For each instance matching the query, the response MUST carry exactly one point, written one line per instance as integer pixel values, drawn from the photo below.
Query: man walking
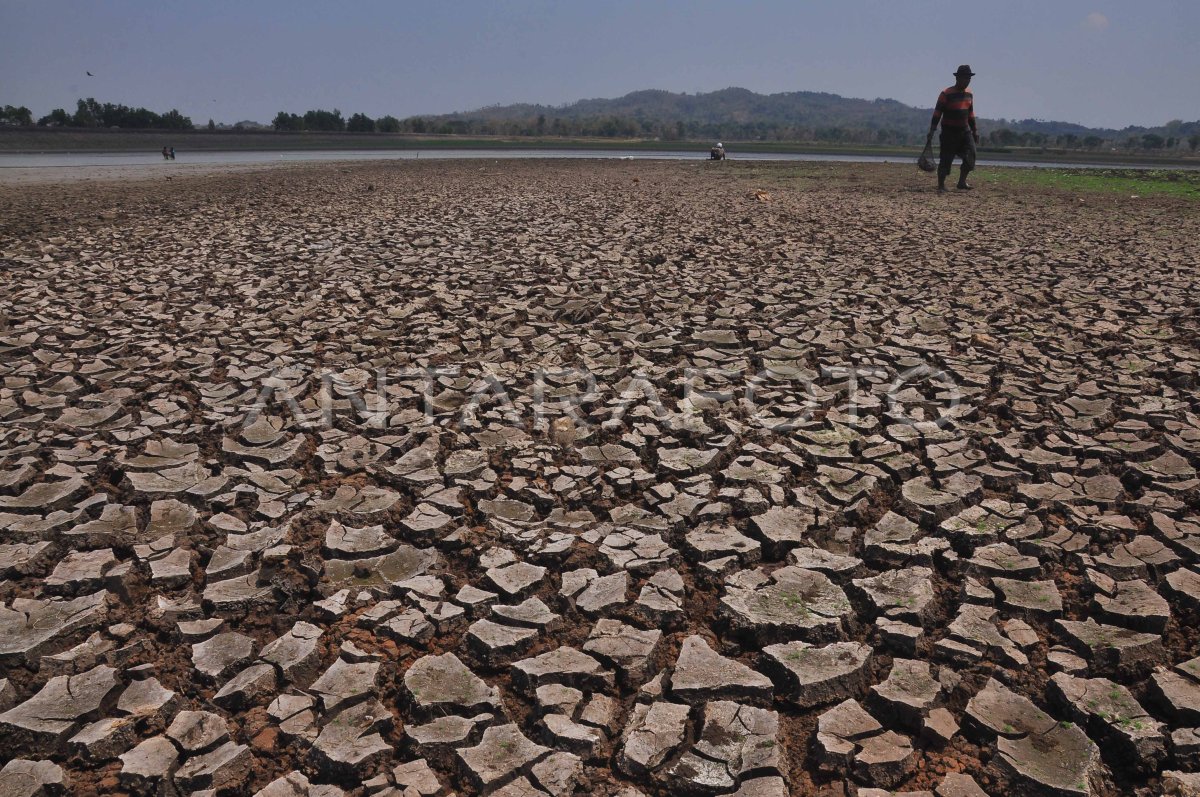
(955, 109)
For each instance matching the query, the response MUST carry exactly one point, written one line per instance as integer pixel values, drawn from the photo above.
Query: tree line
(332, 122)
(89, 113)
(1148, 141)
(16, 116)
(642, 127)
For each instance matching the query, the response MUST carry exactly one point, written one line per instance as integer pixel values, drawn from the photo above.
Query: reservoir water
(68, 160)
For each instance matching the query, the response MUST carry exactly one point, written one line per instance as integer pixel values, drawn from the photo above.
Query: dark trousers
(956, 144)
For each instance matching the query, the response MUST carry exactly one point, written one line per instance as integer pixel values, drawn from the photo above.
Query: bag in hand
(925, 162)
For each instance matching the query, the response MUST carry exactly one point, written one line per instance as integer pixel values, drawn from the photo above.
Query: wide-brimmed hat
(964, 69)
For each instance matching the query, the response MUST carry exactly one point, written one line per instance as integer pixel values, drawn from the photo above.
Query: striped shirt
(955, 109)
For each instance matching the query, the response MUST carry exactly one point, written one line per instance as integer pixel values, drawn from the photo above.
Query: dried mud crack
(565, 478)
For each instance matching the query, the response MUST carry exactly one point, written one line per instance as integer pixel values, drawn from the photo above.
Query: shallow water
(68, 160)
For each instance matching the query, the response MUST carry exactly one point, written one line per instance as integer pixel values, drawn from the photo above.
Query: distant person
(955, 109)
(717, 153)
(166, 154)
(172, 153)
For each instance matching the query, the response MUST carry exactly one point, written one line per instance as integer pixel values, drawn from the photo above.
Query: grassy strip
(1129, 182)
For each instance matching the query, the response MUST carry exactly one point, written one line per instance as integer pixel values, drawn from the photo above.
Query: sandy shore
(542, 476)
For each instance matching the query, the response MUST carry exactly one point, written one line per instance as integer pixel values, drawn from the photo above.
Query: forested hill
(734, 106)
(738, 113)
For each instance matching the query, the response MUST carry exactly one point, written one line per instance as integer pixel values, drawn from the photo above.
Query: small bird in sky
(89, 74)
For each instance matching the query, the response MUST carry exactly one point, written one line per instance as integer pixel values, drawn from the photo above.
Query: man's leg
(968, 161)
(945, 159)
(963, 171)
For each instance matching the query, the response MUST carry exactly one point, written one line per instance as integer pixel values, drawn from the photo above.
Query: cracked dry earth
(630, 536)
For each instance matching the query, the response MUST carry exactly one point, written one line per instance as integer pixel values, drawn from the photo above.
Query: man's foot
(941, 189)
(963, 186)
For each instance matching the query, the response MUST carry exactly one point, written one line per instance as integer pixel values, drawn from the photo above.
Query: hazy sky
(1097, 62)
